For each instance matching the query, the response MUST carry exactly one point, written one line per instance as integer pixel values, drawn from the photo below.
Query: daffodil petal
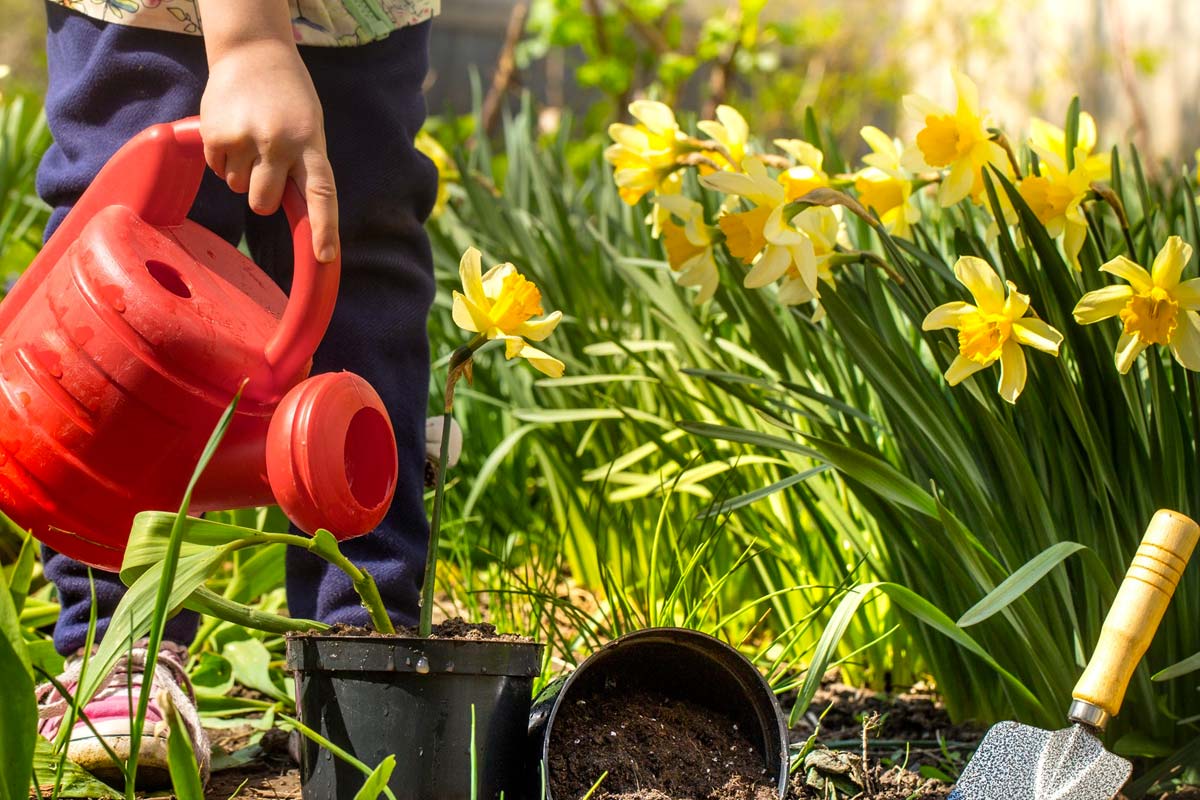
(1129, 347)
(1102, 303)
(1185, 344)
(982, 282)
(769, 268)
(468, 316)
(1170, 261)
(1013, 372)
(957, 184)
(1016, 304)
(537, 330)
(542, 362)
(947, 315)
(1137, 277)
(658, 117)
(734, 122)
(733, 183)
(1037, 334)
(1187, 294)
(470, 274)
(961, 369)
(1073, 239)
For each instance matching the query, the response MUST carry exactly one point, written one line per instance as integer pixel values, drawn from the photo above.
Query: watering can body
(126, 339)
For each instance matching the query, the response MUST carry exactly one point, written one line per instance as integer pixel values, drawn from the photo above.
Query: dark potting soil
(653, 747)
(457, 628)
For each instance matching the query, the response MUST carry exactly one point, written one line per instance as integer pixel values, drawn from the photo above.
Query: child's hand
(260, 117)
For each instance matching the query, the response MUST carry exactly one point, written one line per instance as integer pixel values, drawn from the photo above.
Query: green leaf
(745, 436)
(22, 573)
(1015, 585)
(252, 667)
(212, 676)
(18, 710)
(877, 475)
(377, 780)
(1178, 669)
(181, 761)
(746, 499)
(309, 733)
(75, 782)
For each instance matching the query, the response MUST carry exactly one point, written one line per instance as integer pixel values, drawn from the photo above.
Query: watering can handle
(314, 284)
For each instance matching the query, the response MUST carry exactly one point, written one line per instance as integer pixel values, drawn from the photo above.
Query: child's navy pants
(107, 83)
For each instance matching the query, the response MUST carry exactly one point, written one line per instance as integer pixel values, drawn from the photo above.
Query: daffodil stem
(1002, 140)
(460, 365)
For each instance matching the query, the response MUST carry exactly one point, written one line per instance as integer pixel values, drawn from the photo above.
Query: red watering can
(126, 339)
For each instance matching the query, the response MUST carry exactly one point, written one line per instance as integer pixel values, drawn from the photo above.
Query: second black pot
(683, 664)
(377, 696)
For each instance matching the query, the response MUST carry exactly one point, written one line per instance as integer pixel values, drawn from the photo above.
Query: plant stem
(460, 364)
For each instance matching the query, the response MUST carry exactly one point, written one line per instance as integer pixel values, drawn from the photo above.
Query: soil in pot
(653, 747)
(457, 628)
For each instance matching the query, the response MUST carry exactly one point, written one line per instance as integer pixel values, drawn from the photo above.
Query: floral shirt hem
(320, 23)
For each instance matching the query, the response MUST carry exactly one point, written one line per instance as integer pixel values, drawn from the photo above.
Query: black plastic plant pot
(681, 664)
(375, 696)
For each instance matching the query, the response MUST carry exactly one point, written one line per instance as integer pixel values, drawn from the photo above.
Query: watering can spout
(126, 338)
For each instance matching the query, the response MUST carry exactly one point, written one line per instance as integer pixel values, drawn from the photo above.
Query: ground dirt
(914, 717)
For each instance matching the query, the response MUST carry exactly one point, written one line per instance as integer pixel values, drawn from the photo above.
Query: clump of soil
(653, 747)
(457, 628)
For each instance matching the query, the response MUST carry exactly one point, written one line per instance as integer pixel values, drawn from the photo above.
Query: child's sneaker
(111, 710)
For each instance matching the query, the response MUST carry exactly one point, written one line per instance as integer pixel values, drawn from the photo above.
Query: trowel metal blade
(1017, 762)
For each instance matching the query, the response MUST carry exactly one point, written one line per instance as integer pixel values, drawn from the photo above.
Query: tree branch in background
(658, 43)
(722, 72)
(506, 68)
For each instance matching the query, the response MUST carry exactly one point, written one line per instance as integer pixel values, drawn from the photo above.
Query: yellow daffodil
(731, 132)
(1045, 137)
(1056, 197)
(689, 245)
(826, 232)
(447, 171)
(502, 305)
(646, 155)
(993, 329)
(957, 140)
(1155, 308)
(884, 185)
(761, 236)
(808, 172)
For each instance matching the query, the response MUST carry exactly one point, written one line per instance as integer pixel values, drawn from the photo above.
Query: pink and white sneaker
(111, 711)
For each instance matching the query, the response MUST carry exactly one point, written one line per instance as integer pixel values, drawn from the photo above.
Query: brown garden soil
(456, 628)
(652, 747)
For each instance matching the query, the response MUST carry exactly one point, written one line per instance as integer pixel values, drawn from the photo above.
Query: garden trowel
(1018, 762)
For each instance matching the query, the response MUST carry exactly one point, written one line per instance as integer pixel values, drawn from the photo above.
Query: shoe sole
(89, 752)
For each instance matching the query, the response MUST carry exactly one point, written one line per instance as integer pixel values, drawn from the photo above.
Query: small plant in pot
(451, 702)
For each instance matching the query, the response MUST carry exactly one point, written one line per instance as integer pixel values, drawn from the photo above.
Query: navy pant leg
(374, 108)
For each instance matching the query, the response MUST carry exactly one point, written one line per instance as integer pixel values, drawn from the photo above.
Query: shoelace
(169, 674)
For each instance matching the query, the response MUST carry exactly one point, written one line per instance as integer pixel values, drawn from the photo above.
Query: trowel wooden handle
(1137, 610)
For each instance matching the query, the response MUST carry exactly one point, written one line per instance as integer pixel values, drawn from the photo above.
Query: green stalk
(460, 364)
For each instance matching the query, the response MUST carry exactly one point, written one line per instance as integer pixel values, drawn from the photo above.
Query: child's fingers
(315, 179)
(267, 179)
(238, 166)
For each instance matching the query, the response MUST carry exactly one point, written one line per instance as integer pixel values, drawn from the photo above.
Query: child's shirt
(325, 23)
